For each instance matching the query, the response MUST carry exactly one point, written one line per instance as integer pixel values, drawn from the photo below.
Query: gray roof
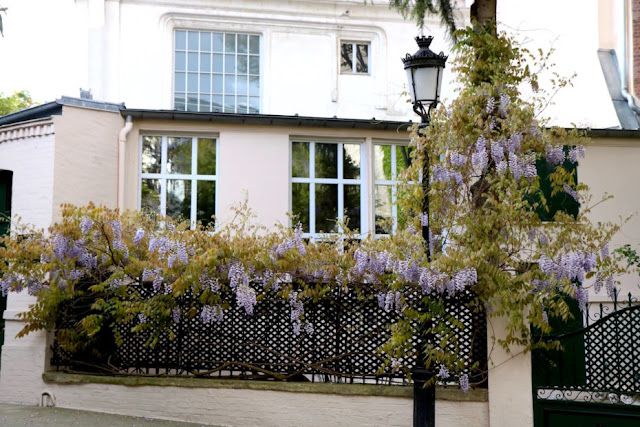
(609, 63)
(266, 119)
(54, 108)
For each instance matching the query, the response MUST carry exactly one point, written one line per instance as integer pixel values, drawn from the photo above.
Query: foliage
(485, 204)
(485, 197)
(16, 102)
(416, 10)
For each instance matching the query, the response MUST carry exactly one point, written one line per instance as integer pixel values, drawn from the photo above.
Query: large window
(326, 185)
(217, 72)
(178, 177)
(388, 163)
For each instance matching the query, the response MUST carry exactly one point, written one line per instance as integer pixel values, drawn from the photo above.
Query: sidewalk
(18, 415)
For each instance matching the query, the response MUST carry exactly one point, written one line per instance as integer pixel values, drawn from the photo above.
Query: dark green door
(6, 179)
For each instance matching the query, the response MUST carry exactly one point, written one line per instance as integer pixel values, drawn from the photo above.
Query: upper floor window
(388, 163)
(217, 72)
(354, 57)
(178, 177)
(326, 185)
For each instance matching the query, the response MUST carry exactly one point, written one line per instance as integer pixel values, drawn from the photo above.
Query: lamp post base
(424, 398)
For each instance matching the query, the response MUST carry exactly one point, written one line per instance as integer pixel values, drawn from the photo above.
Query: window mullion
(340, 184)
(312, 188)
(163, 174)
(194, 181)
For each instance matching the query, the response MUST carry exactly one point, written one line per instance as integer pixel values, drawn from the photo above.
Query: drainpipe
(122, 139)
(623, 68)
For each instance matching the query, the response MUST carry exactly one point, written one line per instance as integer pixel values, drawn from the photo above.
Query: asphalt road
(18, 415)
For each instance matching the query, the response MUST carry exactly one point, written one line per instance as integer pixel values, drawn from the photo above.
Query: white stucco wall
(242, 407)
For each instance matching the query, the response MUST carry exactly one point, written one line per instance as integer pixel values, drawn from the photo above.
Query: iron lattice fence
(349, 328)
(601, 361)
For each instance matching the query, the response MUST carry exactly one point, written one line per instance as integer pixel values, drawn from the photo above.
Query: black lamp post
(424, 72)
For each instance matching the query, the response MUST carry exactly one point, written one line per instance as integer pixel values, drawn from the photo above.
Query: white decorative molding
(29, 129)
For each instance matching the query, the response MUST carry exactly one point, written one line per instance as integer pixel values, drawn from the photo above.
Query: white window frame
(340, 181)
(260, 56)
(354, 44)
(393, 183)
(163, 176)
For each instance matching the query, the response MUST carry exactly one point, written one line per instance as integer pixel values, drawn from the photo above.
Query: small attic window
(354, 58)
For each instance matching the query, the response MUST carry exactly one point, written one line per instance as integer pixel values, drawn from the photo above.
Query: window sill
(442, 393)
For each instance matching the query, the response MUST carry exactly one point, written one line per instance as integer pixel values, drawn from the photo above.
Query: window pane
(326, 207)
(217, 103)
(217, 62)
(351, 161)
(192, 59)
(352, 206)
(254, 44)
(181, 40)
(326, 161)
(241, 84)
(229, 63)
(362, 58)
(205, 41)
(254, 65)
(229, 42)
(192, 82)
(192, 37)
(151, 154)
(180, 82)
(217, 42)
(346, 58)
(205, 103)
(179, 101)
(243, 104)
(254, 104)
(300, 204)
(300, 159)
(229, 104)
(205, 83)
(192, 102)
(229, 84)
(403, 158)
(181, 61)
(206, 156)
(242, 43)
(179, 198)
(382, 161)
(205, 62)
(254, 85)
(206, 201)
(217, 83)
(179, 155)
(150, 195)
(242, 64)
(384, 217)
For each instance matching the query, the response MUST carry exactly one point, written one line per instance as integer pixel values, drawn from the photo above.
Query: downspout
(122, 139)
(623, 68)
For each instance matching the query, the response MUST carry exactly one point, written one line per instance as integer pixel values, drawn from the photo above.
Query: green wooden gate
(595, 381)
(6, 179)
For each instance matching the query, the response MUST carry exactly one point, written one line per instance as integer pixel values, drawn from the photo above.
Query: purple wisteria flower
(505, 100)
(570, 191)
(597, 285)
(138, 237)
(545, 317)
(576, 152)
(609, 286)
(424, 219)
(116, 283)
(443, 372)
(142, 318)
(297, 311)
(458, 160)
(491, 105)
(6, 283)
(246, 298)
(464, 383)
(480, 159)
(175, 314)
(237, 275)
(604, 251)
(514, 142)
(497, 151)
(85, 225)
(554, 154)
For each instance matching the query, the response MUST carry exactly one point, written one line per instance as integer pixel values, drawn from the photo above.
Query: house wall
(252, 161)
(27, 149)
(86, 162)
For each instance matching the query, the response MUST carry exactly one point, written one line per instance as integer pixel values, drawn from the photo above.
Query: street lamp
(424, 72)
